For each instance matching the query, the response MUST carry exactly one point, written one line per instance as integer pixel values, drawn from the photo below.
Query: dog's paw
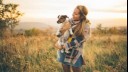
(58, 35)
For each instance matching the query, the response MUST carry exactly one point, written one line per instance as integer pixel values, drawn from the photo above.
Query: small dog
(64, 32)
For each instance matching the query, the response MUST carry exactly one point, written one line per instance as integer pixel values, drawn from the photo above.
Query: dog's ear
(66, 16)
(58, 16)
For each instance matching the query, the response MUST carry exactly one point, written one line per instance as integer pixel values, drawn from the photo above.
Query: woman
(81, 32)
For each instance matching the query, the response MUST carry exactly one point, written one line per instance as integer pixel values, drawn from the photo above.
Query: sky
(98, 9)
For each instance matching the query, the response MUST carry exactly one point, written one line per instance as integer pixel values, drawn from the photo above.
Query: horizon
(43, 25)
(114, 22)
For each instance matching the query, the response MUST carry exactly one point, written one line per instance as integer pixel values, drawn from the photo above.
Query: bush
(33, 32)
(99, 30)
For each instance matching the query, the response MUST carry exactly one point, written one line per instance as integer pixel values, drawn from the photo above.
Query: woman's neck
(75, 21)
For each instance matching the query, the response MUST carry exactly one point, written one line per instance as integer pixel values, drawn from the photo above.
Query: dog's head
(61, 18)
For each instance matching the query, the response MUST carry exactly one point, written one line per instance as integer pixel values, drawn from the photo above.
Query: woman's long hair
(79, 29)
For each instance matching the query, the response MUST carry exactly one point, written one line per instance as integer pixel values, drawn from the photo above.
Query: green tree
(9, 16)
(1, 1)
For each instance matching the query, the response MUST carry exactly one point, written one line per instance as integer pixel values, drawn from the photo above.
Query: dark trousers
(67, 68)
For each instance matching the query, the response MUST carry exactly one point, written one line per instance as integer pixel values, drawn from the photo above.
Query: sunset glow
(98, 9)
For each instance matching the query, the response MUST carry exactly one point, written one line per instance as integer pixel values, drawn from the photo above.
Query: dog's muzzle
(58, 22)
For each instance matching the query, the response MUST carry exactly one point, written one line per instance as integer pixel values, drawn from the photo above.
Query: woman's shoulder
(87, 26)
(88, 22)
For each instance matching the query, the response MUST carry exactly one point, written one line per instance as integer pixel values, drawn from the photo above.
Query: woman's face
(76, 15)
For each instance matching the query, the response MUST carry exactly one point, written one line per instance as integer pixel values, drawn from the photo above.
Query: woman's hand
(59, 46)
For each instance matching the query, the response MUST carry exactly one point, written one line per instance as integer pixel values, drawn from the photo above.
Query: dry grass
(37, 54)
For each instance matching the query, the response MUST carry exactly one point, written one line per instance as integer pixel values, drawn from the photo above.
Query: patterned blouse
(76, 44)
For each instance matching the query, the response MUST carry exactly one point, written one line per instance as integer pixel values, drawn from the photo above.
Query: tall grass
(106, 53)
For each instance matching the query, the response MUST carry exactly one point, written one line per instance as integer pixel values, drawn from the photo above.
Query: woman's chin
(75, 19)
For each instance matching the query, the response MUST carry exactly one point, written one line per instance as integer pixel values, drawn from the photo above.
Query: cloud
(119, 6)
(111, 10)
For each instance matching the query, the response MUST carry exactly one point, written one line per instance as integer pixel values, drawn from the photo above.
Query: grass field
(102, 53)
